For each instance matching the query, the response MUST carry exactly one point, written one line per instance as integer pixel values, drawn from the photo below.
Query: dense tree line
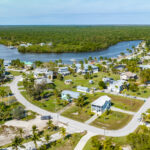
(70, 38)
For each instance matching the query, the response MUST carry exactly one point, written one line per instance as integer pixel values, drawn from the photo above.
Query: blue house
(100, 105)
(69, 95)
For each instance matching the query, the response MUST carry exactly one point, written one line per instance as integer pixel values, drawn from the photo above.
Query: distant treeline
(70, 38)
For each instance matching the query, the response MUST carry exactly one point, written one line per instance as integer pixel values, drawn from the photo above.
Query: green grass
(78, 114)
(79, 80)
(49, 105)
(117, 101)
(20, 83)
(117, 140)
(142, 92)
(126, 103)
(68, 143)
(113, 121)
(15, 73)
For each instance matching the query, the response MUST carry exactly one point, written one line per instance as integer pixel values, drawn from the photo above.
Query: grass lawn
(49, 105)
(68, 143)
(117, 101)
(15, 73)
(20, 83)
(126, 103)
(143, 92)
(76, 113)
(79, 80)
(113, 121)
(117, 140)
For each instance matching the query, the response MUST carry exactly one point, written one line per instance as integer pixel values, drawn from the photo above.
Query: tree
(63, 132)
(81, 101)
(21, 132)
(17, 142)
(18, 113)
(2, 93)
(35, 136)
(47, 138)
(102, 85)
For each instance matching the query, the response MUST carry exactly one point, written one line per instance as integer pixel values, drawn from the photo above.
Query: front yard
(112, 121)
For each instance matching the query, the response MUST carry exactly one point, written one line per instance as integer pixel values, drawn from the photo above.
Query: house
(43, 81)
(63, 71)
(128, 75)
(7, 63)
(94, 69)
(69, 95)
(83, 89)
(91, 81)
(107, 80)
(144, 66)
(120, 67)
(42, 44)
(116, 86)
(43, 73)
(28, 64)
(68, 82)
(100, 105)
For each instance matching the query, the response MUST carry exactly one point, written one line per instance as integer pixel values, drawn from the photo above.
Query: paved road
(78, 126)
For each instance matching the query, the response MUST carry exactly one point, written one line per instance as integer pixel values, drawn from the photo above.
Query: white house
(94, 69)
(100, 105)
(43, 73)
(42, 44)
(83, 89)
(68, 82)
(128, 75)
(63, 71)
(43, 81)
(116, 86)
(144, 66)
(107, 80)
(69, 95)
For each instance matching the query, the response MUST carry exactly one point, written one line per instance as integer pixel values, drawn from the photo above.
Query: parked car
(46, 117)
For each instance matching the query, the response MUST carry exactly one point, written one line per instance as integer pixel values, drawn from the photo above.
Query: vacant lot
(50, 104)
(114, 120)
(78, 114)
(126, 103)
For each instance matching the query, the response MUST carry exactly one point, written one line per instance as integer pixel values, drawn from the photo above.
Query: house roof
(101, 100)
(82, 88)
(71, 93)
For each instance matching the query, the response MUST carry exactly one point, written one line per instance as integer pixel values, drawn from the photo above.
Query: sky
(74, 12)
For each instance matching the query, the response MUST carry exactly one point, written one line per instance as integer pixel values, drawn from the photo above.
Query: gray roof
(71, 93)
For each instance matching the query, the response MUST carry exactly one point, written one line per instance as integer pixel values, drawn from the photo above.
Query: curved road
(75, 125)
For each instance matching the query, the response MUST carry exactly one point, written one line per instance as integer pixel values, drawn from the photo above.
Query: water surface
(112, 51)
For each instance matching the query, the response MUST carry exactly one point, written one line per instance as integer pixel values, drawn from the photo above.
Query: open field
(77, 114)
(126, 103)
(142, 92)
(114, 120)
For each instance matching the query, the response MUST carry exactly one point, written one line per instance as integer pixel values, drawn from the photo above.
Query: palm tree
(21, 132)
(17, 142)
(35, 136)
(50, 125)
(63, 132)
(47, 138)
(2, 93)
